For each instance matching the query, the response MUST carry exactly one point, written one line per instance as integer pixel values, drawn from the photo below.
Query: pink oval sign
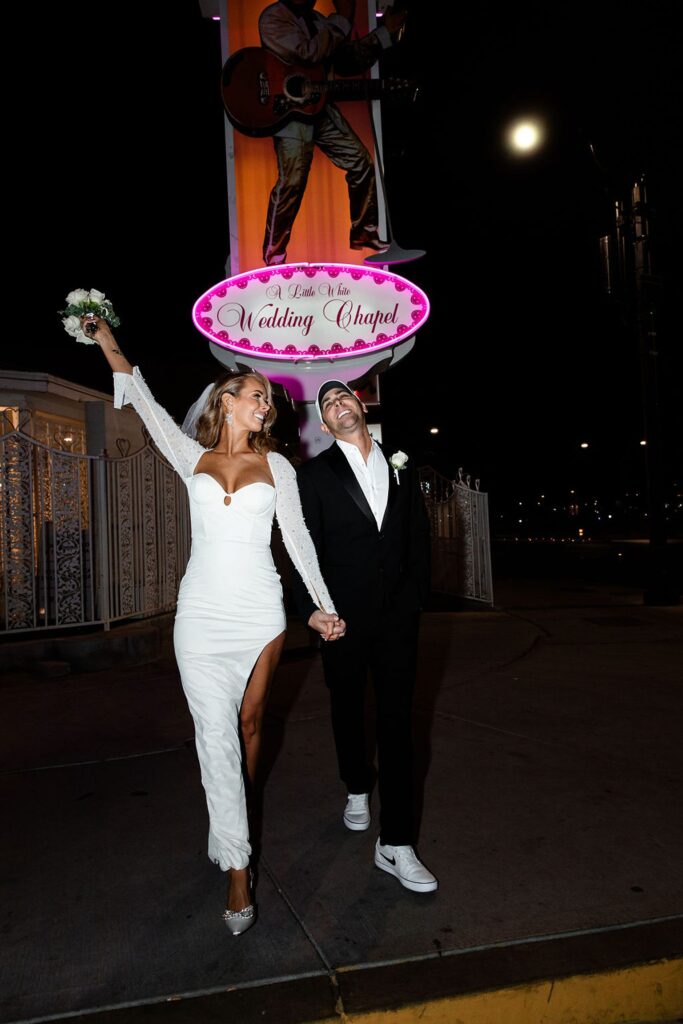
(311, 311)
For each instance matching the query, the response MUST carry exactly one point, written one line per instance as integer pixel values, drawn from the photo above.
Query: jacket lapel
(393, 493)
(339, 464)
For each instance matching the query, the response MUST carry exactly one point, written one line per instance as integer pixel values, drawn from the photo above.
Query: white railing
(461, 543)
(87, 540)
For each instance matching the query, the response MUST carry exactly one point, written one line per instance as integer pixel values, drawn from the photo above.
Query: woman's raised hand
(96, 327)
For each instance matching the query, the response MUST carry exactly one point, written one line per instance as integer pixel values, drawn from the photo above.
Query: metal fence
(87, 539)
(461, 542)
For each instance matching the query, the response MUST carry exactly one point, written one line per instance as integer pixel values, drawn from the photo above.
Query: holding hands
(329, 626)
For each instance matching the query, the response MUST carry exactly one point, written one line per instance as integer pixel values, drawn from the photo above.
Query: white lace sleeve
(182, 452)
(290, 517)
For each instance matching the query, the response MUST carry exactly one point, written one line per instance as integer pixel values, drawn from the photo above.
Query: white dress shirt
(372, 476)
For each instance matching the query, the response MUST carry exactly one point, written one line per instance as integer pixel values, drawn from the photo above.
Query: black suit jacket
(367, 570)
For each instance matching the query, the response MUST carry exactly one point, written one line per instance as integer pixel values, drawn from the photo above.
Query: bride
(230, 620)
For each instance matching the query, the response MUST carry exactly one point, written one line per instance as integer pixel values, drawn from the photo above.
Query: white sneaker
(404, 864)
(357, 812)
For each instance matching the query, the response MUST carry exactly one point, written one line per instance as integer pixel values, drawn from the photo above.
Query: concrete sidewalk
(551, 767)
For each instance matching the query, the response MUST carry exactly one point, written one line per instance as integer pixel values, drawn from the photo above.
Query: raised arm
(129, 388)
(107, 342)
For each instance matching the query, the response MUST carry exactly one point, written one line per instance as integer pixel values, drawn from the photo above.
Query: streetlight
(630, 277)
(525, 136)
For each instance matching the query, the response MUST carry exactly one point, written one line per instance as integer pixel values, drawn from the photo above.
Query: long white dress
(229, 606)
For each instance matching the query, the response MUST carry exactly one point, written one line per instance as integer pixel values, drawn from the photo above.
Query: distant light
(215, 17)
(524, 137)
(643, 443)
(584, 444)
(433, 430)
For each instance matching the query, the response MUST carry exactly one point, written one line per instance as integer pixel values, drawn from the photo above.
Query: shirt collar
(349, 449)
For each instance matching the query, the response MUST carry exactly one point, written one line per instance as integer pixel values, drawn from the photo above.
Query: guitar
(262, 93)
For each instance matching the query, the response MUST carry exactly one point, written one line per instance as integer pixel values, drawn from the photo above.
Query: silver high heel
(239, 921)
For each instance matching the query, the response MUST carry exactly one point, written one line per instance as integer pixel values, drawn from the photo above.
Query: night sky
(524, 356)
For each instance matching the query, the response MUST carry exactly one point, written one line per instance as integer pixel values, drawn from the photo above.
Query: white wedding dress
(229, 605)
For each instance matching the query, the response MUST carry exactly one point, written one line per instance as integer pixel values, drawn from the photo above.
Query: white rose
(398, 460)
(72, 326)
(76, 297)
(96, 296)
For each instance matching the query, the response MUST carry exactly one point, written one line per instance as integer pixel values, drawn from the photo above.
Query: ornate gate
(87, 539)
(461, 544)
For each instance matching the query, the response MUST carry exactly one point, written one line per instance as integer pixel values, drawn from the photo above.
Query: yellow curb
(651, 992)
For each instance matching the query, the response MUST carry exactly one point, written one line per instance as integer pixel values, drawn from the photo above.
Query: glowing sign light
(311, 311)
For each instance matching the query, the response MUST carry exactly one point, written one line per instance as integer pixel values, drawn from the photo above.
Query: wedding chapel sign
(311, 312)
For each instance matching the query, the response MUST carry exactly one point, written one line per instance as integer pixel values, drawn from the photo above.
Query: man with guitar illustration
(298, 34)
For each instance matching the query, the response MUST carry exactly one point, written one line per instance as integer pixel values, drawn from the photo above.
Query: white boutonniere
(81, 303)
(397, 462)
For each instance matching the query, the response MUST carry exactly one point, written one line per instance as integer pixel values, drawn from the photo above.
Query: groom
(370, 529)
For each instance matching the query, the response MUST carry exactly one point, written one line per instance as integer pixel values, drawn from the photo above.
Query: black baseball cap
(330, 385)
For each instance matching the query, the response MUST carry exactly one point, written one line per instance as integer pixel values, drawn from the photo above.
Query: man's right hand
(347, 8)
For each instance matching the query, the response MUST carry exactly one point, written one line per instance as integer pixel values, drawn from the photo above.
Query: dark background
(523, 358)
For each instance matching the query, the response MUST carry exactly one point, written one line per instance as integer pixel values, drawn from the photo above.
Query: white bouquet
(81, 303)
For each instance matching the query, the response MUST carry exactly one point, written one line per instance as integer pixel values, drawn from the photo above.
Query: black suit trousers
(387, 652)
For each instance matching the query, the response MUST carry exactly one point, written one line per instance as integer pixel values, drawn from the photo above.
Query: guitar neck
(356, 88)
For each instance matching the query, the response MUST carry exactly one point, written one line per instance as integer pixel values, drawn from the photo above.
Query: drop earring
(228, 417)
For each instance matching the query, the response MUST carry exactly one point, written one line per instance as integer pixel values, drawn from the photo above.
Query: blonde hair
(210, 423)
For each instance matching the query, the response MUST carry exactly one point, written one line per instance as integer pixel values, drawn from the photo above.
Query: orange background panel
(321, 229)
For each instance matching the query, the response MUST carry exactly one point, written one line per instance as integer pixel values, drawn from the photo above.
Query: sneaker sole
(405, 882)
(354, 826)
